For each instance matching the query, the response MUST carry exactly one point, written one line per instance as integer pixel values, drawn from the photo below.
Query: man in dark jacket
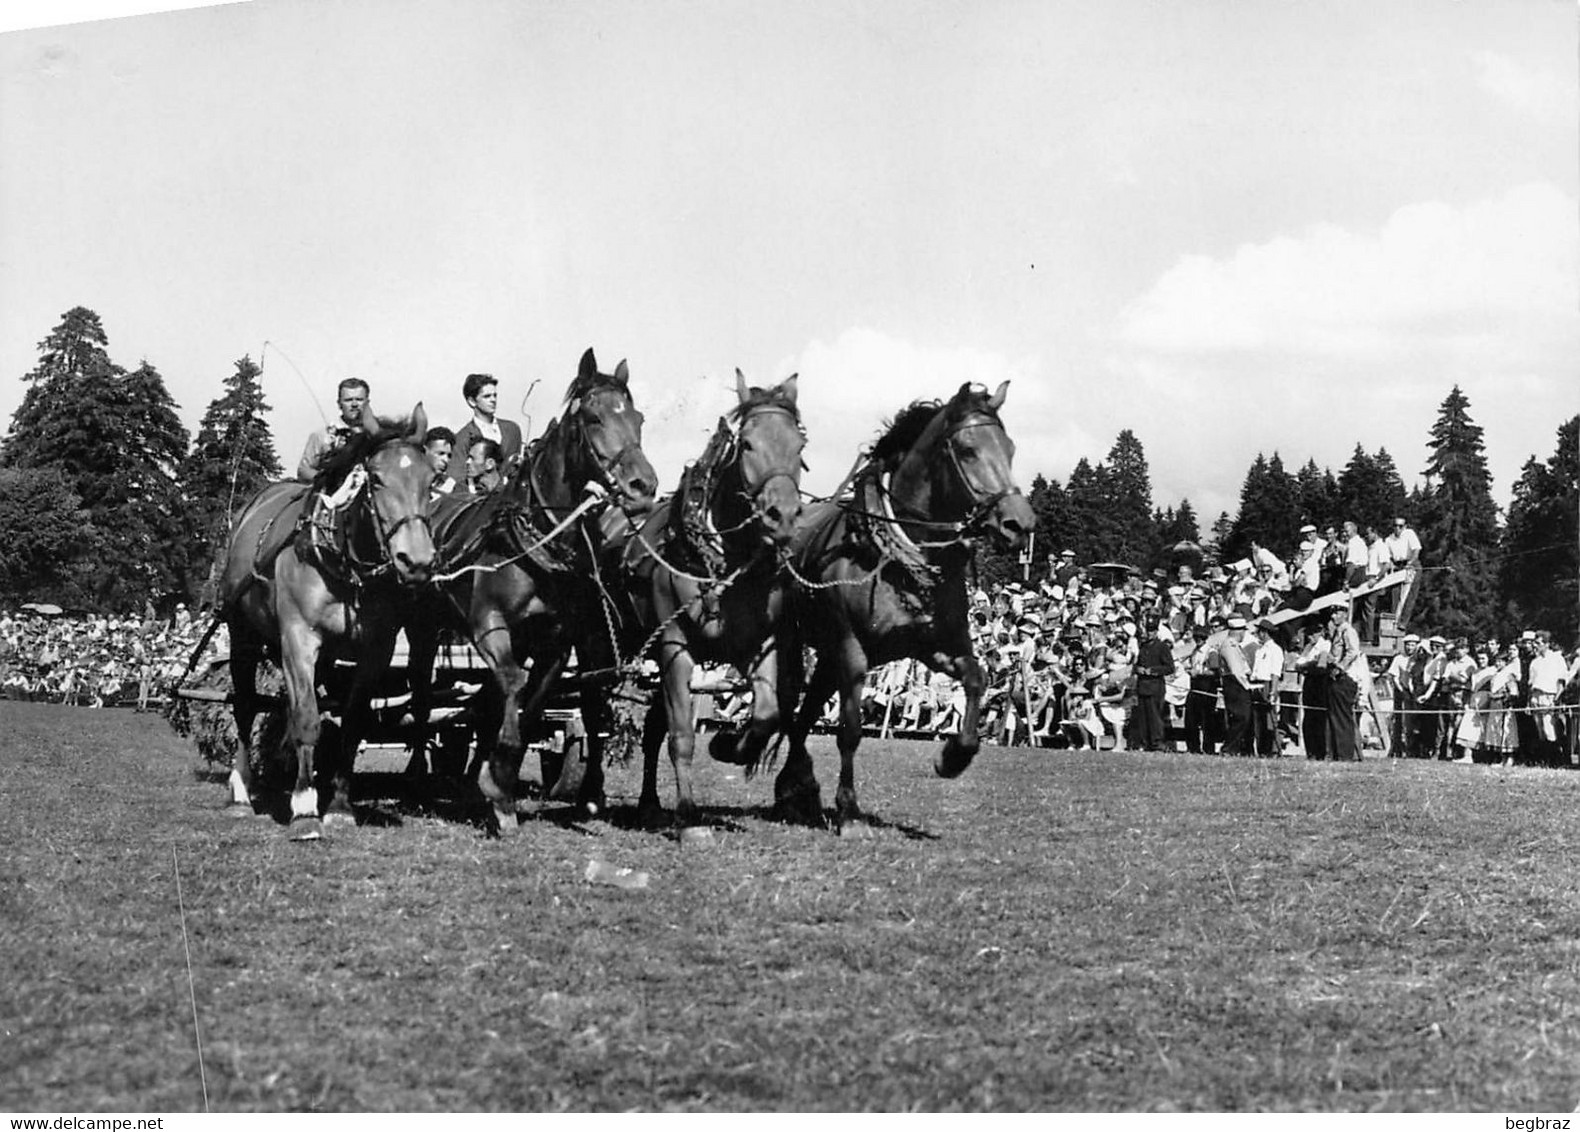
(1154, 662)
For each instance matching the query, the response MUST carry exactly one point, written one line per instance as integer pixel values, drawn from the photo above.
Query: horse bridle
(384, 532)
(984, 501)
(752, 495)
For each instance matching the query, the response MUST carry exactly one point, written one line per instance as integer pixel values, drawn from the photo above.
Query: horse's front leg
(650, 811)
(797, 795)
(959, 749)
(851, 677)
(244, 708)
(675, 668)
(356, 714)
(299, 647)
(422, 641)
(502, 763)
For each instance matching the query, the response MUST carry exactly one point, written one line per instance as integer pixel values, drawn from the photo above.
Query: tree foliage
(1458, 526)
(231, 459)
(1539, 571)
(117, 441)
(47, 531)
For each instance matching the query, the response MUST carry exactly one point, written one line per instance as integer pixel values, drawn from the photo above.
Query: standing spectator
(1236, 689)
(1379, 564)
(1202, 733)
(1459, 667)
(1401, 727)
(1267, 669)
(1154, 664)
(481, 391)
(1346, 670)
(1548, 675)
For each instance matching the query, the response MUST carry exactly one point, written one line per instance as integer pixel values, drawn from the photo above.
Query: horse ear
(370, 422)
(788, 387)
(419, 423)
(589, 366)
(996, 402)
(741, 392)
(622, 374)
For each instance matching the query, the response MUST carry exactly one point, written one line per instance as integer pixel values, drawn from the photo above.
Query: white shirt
(1548, 672)
(1378, 559)
(1404, 545)
(1355, 553)
(1268, 664)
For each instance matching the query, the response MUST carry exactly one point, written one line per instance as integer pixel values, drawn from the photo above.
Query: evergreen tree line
(1481, 577)
(107, 502)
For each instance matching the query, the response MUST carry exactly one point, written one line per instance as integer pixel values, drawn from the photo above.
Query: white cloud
(1541, 94)
(1496, 279)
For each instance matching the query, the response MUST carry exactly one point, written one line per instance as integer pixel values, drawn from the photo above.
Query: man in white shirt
(1267, 670)
(1404, 546)
(1547, 676)
(1236, 689)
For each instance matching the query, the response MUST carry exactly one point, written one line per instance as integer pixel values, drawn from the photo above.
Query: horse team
(575, 552)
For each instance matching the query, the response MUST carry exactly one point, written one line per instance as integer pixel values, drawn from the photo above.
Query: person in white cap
(1396, 680)
(1404, 547)
(1236, 689)
(1346, 669)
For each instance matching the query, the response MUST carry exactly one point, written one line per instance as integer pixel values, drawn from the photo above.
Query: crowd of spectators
(97, 661)
(1103, 657)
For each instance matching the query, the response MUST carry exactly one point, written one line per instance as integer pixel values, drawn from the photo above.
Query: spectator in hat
(1404, 548)
(1236, 672)
(1306, 576)
(1203, 731)
(1066, 569)
(1346, 670)
(1267, 669)
(1397, 681)
(1154, 664)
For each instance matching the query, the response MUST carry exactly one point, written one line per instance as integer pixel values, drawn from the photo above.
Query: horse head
(960, 466)
(768, 444)
(610, 426)
(399, 484)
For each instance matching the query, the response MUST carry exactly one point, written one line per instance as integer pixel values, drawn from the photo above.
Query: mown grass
(1052, 931)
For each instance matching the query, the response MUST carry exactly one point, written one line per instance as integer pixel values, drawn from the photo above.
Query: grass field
(1052, 931)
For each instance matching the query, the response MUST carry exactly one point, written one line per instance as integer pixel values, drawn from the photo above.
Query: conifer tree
(118, 442)
(1539, 568)
(232, 458)
(1458, 525)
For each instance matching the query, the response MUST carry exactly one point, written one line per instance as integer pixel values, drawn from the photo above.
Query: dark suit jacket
(509, 443)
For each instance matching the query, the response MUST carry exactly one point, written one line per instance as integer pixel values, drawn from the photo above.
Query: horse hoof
(696, 835)
(337, 819)
(853, 827)
(306, 829)
(724, 747)
(800, 807)
(953, 758)
(652, 818)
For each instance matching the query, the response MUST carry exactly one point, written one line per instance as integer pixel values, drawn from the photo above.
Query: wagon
(558, 736)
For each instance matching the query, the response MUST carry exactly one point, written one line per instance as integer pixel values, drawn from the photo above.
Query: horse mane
(337, 465)
(900, 435)
(905, 429)
(755, 398)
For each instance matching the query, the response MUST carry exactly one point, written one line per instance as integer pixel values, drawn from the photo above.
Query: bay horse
(303, 590)
(522, 576)
(703, 575)
(881, 576)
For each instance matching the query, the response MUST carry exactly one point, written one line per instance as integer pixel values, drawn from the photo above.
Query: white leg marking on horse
(238, 790)
(304, 803)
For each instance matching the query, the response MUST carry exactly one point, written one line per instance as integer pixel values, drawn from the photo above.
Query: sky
(1230, 228)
